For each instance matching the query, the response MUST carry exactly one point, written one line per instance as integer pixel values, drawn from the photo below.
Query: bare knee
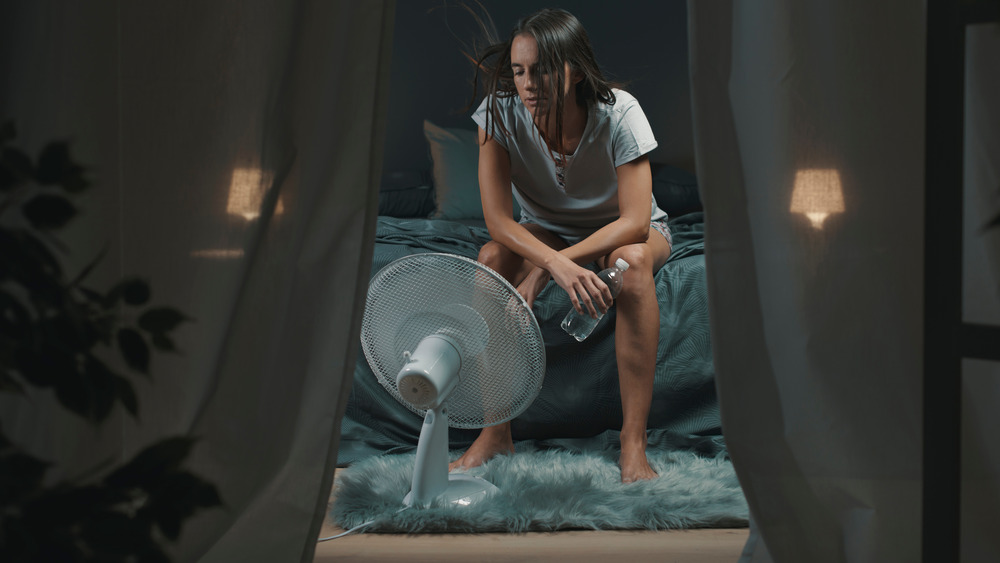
(493, 254)
(639, 276)
(638, 256)
(500, 259)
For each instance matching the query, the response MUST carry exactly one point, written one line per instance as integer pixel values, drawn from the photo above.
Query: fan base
(462, 490)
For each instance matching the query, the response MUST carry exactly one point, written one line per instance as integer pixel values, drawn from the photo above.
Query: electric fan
(454, 342)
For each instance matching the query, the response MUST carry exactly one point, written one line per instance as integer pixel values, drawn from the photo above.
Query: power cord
(356, 528)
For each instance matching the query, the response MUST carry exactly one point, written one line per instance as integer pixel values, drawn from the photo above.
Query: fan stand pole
(431, 481)
(430, 472)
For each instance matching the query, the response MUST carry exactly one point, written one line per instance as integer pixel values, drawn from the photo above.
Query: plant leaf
(134, 349)
(15, 320)
(163, 343)
(45, 368)
(74, 392)
(161, 319)
(168, 518)
(15, 168)
(56, 167)
(21, 474)
(90, 294)
(136, 292)
(27, 260)
(133, 291)
(126, 394)
(89, 267)
(67, 330)
(104, 388)
(113, 536)
(48, 211)
(69, 503)
(177, 496)
(151, 464)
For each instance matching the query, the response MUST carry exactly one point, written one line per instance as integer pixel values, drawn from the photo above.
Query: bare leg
(637, 334)
(495, 440)
(492, 441)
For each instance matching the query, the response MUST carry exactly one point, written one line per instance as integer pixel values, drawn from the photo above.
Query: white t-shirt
(579, 195)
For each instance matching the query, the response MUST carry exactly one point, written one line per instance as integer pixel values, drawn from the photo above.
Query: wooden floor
(680, 546)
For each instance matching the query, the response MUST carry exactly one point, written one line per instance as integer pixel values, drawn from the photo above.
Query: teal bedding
(579, 407)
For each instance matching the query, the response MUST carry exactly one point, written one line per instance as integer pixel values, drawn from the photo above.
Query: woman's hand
(533, 284)
(588, 292)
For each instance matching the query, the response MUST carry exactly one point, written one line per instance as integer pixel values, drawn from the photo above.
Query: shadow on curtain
(235, 148)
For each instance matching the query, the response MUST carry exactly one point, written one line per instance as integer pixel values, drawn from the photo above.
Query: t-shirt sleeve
(480, 117)
(632, 137)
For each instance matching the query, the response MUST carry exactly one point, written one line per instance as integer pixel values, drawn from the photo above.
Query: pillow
(675, 190)
(416, 201)
(406, 194)
(455, 167)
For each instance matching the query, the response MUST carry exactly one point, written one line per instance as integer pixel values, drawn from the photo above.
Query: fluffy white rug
(549, 490)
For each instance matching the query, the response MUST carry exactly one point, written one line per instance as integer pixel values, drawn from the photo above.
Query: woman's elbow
(638, 231)
(498, 227)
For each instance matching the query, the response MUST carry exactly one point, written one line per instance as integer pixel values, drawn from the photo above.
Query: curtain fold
(235, 149)
(808, 135)
(981, 294)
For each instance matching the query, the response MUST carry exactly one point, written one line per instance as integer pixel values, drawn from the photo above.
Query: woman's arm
(635, 188)
(498, 211)
(635, 200)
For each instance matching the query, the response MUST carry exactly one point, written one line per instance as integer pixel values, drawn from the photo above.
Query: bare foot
(635, 466)
(492, 441)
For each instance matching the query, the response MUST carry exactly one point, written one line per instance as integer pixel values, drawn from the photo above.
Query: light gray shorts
(660, 227)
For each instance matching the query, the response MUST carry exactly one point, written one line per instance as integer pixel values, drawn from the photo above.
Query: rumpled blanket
(579, 406)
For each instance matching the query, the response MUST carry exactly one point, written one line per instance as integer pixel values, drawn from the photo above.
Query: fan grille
(503, 356)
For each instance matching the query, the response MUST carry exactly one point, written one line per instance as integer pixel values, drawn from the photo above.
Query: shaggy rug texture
(549, 490)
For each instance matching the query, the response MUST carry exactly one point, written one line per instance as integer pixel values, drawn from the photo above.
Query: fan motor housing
(431, 372)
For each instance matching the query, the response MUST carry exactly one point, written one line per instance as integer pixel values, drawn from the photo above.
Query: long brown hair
(561, 39)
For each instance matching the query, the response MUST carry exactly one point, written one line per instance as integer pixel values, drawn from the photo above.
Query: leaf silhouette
(146, 469)
(75, 393)
(134, 349)
(15, 168)
(50, 332)
(20, 474)
(177, 496)
(134, 291)
(56, 167)
(126, 394)
(48, 211)
(161, 319)
(163, 343)
(104, 387)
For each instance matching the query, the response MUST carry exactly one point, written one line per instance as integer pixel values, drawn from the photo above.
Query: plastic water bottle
(580, 326)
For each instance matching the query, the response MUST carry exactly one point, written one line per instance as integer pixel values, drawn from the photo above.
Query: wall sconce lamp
(817, 194)
(246, 193)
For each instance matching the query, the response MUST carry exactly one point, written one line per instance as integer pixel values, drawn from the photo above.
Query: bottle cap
(622, 264)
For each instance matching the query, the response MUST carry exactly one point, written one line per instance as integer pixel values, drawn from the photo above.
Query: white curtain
(981, 294)
(235, 148)
(809, 133)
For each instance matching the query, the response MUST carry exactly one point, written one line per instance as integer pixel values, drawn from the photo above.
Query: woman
(574, 150)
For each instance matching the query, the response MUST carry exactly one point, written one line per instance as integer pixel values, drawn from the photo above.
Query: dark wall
(640, 42)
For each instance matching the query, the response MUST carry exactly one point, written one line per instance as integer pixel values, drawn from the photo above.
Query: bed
(579, 407)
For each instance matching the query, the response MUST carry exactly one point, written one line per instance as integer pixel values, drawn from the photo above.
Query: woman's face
(532, 85)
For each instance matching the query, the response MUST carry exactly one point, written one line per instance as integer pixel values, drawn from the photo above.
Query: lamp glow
(246, 193)
(817, 194)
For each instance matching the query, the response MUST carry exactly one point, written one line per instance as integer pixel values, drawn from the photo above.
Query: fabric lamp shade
(817, 194)
(246, 193)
